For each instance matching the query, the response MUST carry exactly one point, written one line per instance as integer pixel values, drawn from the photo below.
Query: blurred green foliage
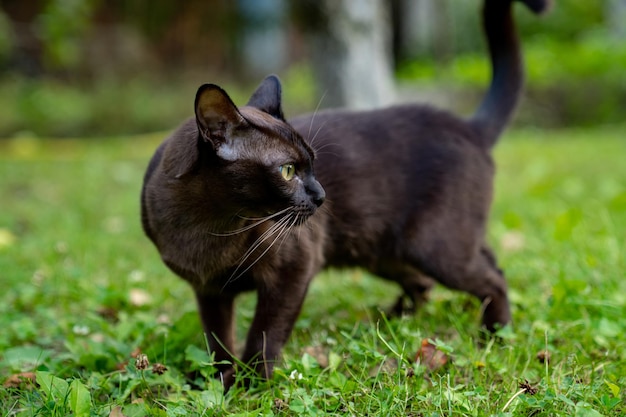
(62, 24)
(574, 84)
(49, 107)
(575, 60)
(575, 57)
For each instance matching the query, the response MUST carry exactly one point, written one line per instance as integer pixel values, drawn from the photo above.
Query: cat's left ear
(267, 97)
(216, 114)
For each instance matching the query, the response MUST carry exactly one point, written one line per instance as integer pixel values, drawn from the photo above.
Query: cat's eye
(287, 171)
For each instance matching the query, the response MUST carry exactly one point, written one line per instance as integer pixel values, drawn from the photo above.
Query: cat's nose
(319, 198)
(317, 193)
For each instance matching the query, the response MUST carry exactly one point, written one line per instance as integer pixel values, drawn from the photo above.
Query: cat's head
(253, 153)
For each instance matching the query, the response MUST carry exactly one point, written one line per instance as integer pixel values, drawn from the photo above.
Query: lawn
(84, 296)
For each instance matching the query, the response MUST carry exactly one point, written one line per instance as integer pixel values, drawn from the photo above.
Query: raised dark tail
(507, 77)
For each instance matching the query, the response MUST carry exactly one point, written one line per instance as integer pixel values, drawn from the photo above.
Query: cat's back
(408, 137)
(392, 126)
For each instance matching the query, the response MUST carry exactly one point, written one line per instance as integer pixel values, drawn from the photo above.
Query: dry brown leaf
(24, 379)
(319, 353)
(430, 356)
(116, 412)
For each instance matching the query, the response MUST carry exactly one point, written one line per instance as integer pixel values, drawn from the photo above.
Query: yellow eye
(287, 171)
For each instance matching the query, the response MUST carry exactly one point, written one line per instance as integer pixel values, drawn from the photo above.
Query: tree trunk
(616, 16)
(352, 54)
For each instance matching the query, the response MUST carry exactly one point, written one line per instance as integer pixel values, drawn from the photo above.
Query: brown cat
(232, 203)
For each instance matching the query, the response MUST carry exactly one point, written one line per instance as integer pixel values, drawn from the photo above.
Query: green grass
(83, 290)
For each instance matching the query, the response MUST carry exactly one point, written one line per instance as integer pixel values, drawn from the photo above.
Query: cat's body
(425, 210)
(231, 200)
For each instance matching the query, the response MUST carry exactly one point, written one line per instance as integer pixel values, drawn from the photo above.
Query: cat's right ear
(267, 97)
(216, 114)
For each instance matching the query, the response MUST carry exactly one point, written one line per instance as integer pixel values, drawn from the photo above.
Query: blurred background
(92, 68)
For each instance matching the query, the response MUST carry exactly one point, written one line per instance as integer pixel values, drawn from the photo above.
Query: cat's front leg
(217, 316)
(278, 307)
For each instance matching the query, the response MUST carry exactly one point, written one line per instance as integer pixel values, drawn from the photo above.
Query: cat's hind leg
(472, 271)
(416, 288)
(415, 285)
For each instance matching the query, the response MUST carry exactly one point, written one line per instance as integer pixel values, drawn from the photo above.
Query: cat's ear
(216, 114)
(267, 97)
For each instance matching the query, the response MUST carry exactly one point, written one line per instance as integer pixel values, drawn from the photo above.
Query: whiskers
(319, 103)
(311, 138)
(276, 233)
(257, 222)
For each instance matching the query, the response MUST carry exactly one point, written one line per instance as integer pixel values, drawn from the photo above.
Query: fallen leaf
(319, 353)
(116, 412)
(24, 379)
(430, 356)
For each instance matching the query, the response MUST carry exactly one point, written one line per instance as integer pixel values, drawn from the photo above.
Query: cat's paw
(228, 378)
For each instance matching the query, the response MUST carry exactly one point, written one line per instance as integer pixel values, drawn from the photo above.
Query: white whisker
(299, 228)
(259, 241)
(311, 140)
(266, 217)
(325, 146)
(258, 221)
(319, 103)
(282, 229)
(293, 223)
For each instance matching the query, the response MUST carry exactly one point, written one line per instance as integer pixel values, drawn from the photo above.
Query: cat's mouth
(291, 216)
(301, 216)
(296, 215)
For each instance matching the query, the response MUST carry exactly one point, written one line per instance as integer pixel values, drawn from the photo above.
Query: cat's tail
(507, 77)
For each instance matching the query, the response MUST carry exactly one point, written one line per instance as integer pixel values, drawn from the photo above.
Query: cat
(236, 199)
